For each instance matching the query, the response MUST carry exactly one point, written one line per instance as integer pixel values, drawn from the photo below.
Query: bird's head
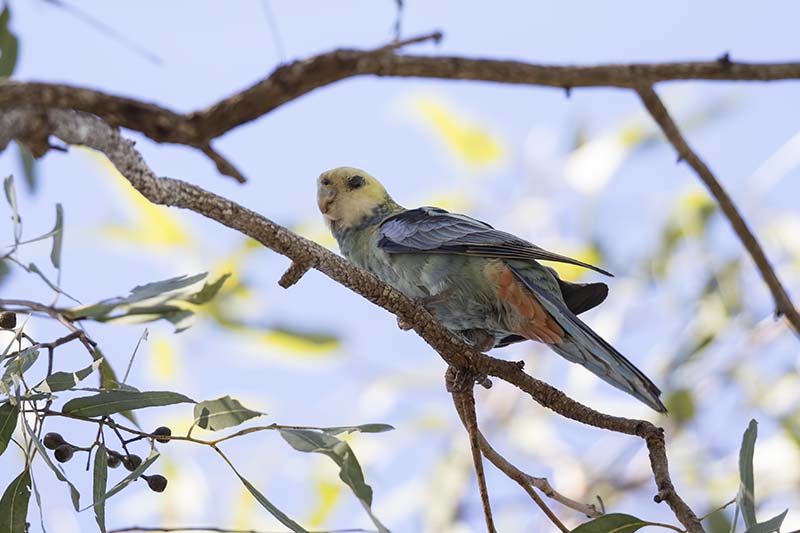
(348, 195)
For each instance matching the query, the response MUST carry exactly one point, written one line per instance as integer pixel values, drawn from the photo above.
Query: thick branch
(293, 80)
(77, 128)
(783, 303)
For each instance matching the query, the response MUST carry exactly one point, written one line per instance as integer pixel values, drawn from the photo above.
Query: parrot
(484, 285)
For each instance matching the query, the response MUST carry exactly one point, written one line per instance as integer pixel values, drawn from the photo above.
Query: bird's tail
(583, 346)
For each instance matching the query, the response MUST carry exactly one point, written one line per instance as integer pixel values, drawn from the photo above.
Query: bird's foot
(460, 379)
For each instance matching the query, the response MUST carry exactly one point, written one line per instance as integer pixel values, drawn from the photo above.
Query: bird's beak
(325, 196)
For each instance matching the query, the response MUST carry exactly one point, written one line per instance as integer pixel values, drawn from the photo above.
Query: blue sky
(209, 50)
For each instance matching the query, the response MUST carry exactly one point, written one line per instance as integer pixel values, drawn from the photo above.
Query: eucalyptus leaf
(57, 470)
(38, 503)
(61, 381)
(266, 504)
(746, 495)
(222, 413)
(612, 523)
(58, 236)
(11, 195)
(8, 423)
(28, 166)
(350, 473)
(770, 526)
(363, 428)
(116, 401)
(97, 501)
(99, 486)
(14, 504)
(148, 302)
(157, 288)
(20, 364)
(110, 381)
(9, 45)
(208, 291)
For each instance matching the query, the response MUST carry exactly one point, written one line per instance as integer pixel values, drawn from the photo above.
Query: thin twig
(655, 106)
(526, 482)
(718, 509)
(464, 401)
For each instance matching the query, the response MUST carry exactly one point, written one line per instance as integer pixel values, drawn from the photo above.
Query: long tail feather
(583, 346)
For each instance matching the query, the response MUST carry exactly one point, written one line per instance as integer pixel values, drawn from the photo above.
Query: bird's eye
(355, 182)
(325, 181)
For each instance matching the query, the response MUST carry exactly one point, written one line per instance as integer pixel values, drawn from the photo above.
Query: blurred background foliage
(588, 176)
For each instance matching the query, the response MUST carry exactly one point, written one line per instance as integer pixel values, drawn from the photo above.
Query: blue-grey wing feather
(434, 230)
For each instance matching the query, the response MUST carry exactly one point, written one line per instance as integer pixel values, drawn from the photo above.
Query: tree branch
(293, 80)
(464, 402)
(82, 129)
(528, 482)
(783, 304)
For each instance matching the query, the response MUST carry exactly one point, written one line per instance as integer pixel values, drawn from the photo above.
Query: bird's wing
(434, 230)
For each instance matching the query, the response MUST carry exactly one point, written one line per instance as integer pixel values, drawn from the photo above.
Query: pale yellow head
(347, 195)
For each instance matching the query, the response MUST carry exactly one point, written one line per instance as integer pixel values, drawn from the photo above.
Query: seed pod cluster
(63, 451)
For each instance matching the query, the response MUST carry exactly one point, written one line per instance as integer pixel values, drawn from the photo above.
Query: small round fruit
(113, 461)
(162, 434)
(53, 440)
(156, 482)
(64, 453)
(131, 462)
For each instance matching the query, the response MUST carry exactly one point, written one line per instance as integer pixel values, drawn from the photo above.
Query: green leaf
(363, 428)
(746, 496)
(9, 45)
(208, 291)
(108, 403)
(157, 288)
(8, 423)
(612, 523)
(58, 235)
(99, 487)
(4, 271)
(57, 470)
(28, 166)
(770, 526)
(18, 365)
(38, 503)
(11, 197)
(266, 504)
(61, 381)
(350, 473)
(109, 381)
(135, 306)
(126, 480)
(14, 504)
(182, 319)
(222, 413)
